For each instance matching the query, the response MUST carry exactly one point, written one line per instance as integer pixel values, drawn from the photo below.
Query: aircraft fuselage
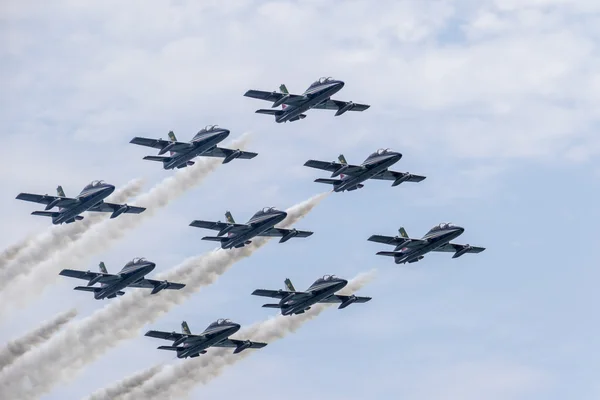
(128, 277)
(259, 225)
(374, 166)
(201, 144)
(218, 334)
(435, 239)
(320, 292)
(87, 200)
(315, 95)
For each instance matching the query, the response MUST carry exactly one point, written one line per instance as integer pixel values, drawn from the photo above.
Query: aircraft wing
(291, 99)
(339, 105)
(161, 144)
(88, 275)
(453, 247)
(151, 284)
(276, 294)
(224, 153)
(333, 166)
(237, 343)
(46, 199)
(338, 298)
(282, 232)
(396, 241)
(112, 207)
(393, 175)
(219, 226)
(167, 335)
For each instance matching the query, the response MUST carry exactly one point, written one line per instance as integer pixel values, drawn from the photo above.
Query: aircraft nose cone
(109, 188)
(283, 214)
(150, 266)
(340, 84)
(343, 281)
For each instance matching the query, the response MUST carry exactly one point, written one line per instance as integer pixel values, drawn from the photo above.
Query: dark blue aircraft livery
(317, 96)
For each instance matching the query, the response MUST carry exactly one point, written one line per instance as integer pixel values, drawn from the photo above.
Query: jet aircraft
(216, 335)
(204, 144)
(321, 291)
(91, 198)
(132, 275)
(261, 224)
(374, 167)
(317, 96)
(438, 238)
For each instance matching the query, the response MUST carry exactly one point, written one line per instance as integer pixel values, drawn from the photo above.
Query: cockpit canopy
(264, 211)
(219, 322)
(328, 277)
(380, 152)
(208, 128)
(135, 261)
(322, 81)
(94, 184)
(443, 225)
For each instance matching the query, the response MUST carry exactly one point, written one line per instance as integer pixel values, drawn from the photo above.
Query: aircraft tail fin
(402, 232)
(185, 328)
(342, 159)
(288, 285)
(229, 217)
(271, 306)
(102, 267)
(172, 136)
(60, 192)
(283, 89)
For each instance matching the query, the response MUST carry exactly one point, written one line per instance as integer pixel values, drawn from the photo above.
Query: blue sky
(496, 102)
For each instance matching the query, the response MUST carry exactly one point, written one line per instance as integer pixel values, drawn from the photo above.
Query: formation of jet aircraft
(344, 177)
(262, 223)
(374, 167)
(215, 335)
(91, 198)
(321, 291)
(317, 96)
(438, 239)
(203, 144)
(131, 275)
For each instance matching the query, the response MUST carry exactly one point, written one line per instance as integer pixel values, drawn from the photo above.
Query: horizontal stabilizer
(157, 158)
(45, 213)
(329, 181)
(269, 112)
(216, 238)
(172, 348)
(389, 253)
(87, 289)
(271, 306)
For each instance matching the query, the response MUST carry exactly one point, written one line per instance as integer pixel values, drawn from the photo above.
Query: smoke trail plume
(110, 231)
(176, 381)
(60, 237)
(13, 251)
(16, 348)
(83, 342)
(127, 385)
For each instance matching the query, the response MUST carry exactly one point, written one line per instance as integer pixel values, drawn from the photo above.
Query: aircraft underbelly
(122, 284)
(80, 208)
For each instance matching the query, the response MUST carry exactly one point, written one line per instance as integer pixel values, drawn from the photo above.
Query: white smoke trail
(82, 343)
(16, 348)
(60, 237)
(176, 381)
(109, 231)
(124, 386)
(13, 251)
